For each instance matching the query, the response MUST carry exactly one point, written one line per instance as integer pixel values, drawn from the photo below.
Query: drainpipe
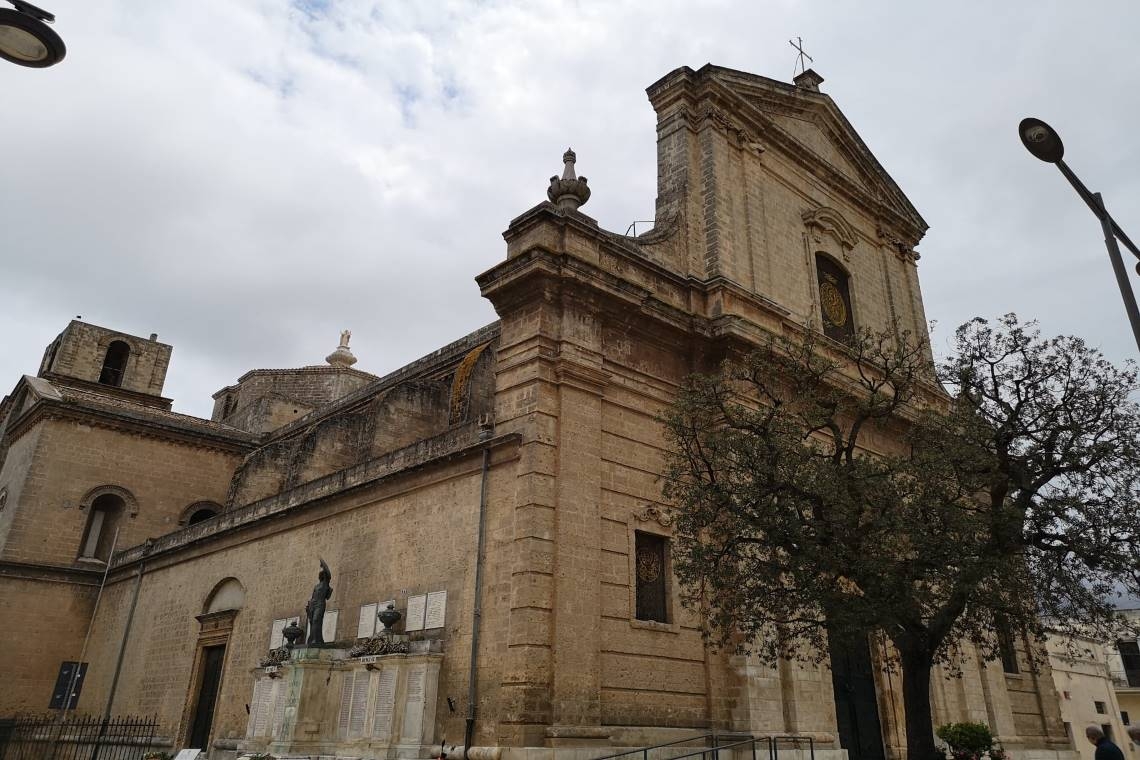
(485, 433)
(127, 628)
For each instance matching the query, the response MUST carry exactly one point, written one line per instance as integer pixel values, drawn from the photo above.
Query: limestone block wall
(308, 387)
(15, 473)
(398, 417)
(409, 534)
(72, 458)
(45, 621)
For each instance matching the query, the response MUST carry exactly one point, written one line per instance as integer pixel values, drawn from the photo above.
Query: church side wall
(413, 533)
(15, 474)
(45, 622)
(72, 458)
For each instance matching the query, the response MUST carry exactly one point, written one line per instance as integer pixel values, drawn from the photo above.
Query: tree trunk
(916, 666)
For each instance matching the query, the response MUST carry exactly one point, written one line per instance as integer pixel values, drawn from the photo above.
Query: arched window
(834, 299)
(115, 363)
(198, 512)
(106, 511)
(200, 515)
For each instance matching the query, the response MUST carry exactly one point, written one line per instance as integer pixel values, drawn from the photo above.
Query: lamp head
(25, 38)
(1041, 140)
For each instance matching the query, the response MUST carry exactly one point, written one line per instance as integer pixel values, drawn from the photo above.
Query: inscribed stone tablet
(414, 706)
(328, 625)
(366, 626)
(188, 754)
(280, 698)
(359, 703)
(417, 606)
(345, 704)
(254, 704)
(385, 704)
(276, 638)
(436, 607)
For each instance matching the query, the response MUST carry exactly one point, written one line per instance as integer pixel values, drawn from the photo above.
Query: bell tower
(108, 361)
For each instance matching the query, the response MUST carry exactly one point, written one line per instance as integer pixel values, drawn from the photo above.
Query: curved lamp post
(26, 39)
(1043, 142)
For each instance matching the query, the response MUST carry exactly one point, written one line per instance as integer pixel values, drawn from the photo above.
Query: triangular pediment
(823, 143)
(809, 126)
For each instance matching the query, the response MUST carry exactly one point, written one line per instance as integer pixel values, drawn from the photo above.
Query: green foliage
(975, 738)
(824, 492)
(157, 755)
(970, 741)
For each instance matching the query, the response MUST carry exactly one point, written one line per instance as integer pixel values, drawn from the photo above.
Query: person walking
(1105, 749)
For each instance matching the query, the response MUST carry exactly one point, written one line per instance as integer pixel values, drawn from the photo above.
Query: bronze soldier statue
(315, 607)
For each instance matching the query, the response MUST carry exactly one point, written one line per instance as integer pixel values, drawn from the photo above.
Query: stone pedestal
(381, 706)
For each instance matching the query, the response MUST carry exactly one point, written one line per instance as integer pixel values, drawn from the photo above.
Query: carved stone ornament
(653, 513)
(570, 191)
(648, 565)
(723, 121)
(826, 220)
(896, 244)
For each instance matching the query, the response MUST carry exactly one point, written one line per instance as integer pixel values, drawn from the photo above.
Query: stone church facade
(533, 437)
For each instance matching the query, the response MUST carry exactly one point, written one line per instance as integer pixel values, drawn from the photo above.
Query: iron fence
(76, 737)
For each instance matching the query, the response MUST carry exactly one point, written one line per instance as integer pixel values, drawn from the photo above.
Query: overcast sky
(247, 178)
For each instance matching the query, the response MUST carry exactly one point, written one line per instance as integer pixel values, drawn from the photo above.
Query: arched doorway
(217, 622)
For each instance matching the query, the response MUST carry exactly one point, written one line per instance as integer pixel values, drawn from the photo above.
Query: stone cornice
(458, 442)
(135, 397)
(50, 573)
(238, 443)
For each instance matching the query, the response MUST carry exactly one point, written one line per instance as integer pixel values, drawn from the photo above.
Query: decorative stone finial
(808, 80)
(569, 192)
(342, 357)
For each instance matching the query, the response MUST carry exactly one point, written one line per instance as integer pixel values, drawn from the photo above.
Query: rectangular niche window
(834, 299)
(1007, 650)
(650, 566)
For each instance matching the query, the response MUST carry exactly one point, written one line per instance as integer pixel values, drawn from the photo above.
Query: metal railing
(770, 743)
(78, 737)
(644, 751)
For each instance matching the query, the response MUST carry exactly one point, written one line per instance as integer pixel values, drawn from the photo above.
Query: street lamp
(25, 38)
(1043, 142)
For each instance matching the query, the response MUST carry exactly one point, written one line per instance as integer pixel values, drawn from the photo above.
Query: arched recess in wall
(228, 594)
(199, 511)
(106, 507)
(115, 363)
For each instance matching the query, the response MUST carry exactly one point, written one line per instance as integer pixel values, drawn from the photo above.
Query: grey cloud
(248, 178)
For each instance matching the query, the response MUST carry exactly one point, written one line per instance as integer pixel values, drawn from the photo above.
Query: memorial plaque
(414, 617)
(276, 638)
(436, 608)
(366, 626)
(345, 704)
(359, 703)
(188, 754)
(280, 699)
(328, 626)
(254, 705)
(265, 695)
(385, 705)
(414, 705)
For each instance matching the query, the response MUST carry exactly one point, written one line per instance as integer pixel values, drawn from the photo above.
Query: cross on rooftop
(798, 44)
